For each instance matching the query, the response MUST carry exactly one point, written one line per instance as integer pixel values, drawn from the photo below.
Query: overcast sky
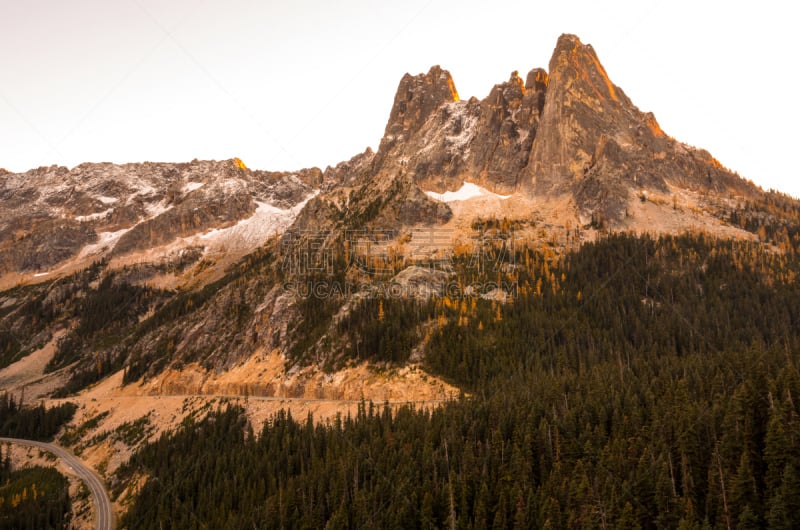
(299, 83)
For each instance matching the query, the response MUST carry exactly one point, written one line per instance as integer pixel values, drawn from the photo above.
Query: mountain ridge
(568, 134)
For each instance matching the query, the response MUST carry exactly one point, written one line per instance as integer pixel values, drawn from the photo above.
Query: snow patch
(154, 210)
(107, 200)
(265, 222)
(191, 186)
(94, 216)
(467, 191)
(40, 274)
(105, 241)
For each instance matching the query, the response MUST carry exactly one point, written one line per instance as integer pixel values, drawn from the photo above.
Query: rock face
(38, 242)
(507, 125)
(582, 107)
(567, 132)
(594, 143)
(50, 215)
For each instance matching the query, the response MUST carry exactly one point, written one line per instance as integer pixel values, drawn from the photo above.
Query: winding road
(103, 517)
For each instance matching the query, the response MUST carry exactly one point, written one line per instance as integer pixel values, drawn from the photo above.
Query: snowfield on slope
(266, 221)
(467, 191)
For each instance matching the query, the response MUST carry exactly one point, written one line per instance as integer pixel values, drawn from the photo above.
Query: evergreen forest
(636, 382)
(34, 498)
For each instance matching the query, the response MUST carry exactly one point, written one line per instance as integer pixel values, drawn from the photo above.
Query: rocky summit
(569, 131)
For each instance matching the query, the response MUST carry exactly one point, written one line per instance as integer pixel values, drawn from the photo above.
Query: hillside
(634, 383)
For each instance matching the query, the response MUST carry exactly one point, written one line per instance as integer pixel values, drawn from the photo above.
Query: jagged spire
(417, 98)
(569, 131)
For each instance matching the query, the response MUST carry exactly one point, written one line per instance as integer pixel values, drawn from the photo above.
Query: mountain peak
(537, 79)
(416, 99)
(517, 80)
(574, 61)
(589, 128)
(569, 131)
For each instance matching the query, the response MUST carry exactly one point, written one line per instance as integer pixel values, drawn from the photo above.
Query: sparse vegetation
(73, 435)
(131, 433)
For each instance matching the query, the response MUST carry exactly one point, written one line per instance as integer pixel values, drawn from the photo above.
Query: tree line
(32, 422)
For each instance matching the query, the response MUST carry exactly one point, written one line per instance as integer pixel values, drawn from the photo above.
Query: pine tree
(775, 455)
(790, 489)
(627, 519)
(747, 520)
(744, 488)
(778, 518)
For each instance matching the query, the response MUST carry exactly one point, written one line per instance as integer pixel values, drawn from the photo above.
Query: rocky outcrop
(407, 205)
(37, 243)
(420, 282)
(353, 172)
(569, 131)
(507, 126)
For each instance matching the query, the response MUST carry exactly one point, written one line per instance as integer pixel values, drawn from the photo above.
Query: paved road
(103, 518)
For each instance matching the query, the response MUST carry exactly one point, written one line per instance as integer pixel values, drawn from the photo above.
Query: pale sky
(299, 83)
